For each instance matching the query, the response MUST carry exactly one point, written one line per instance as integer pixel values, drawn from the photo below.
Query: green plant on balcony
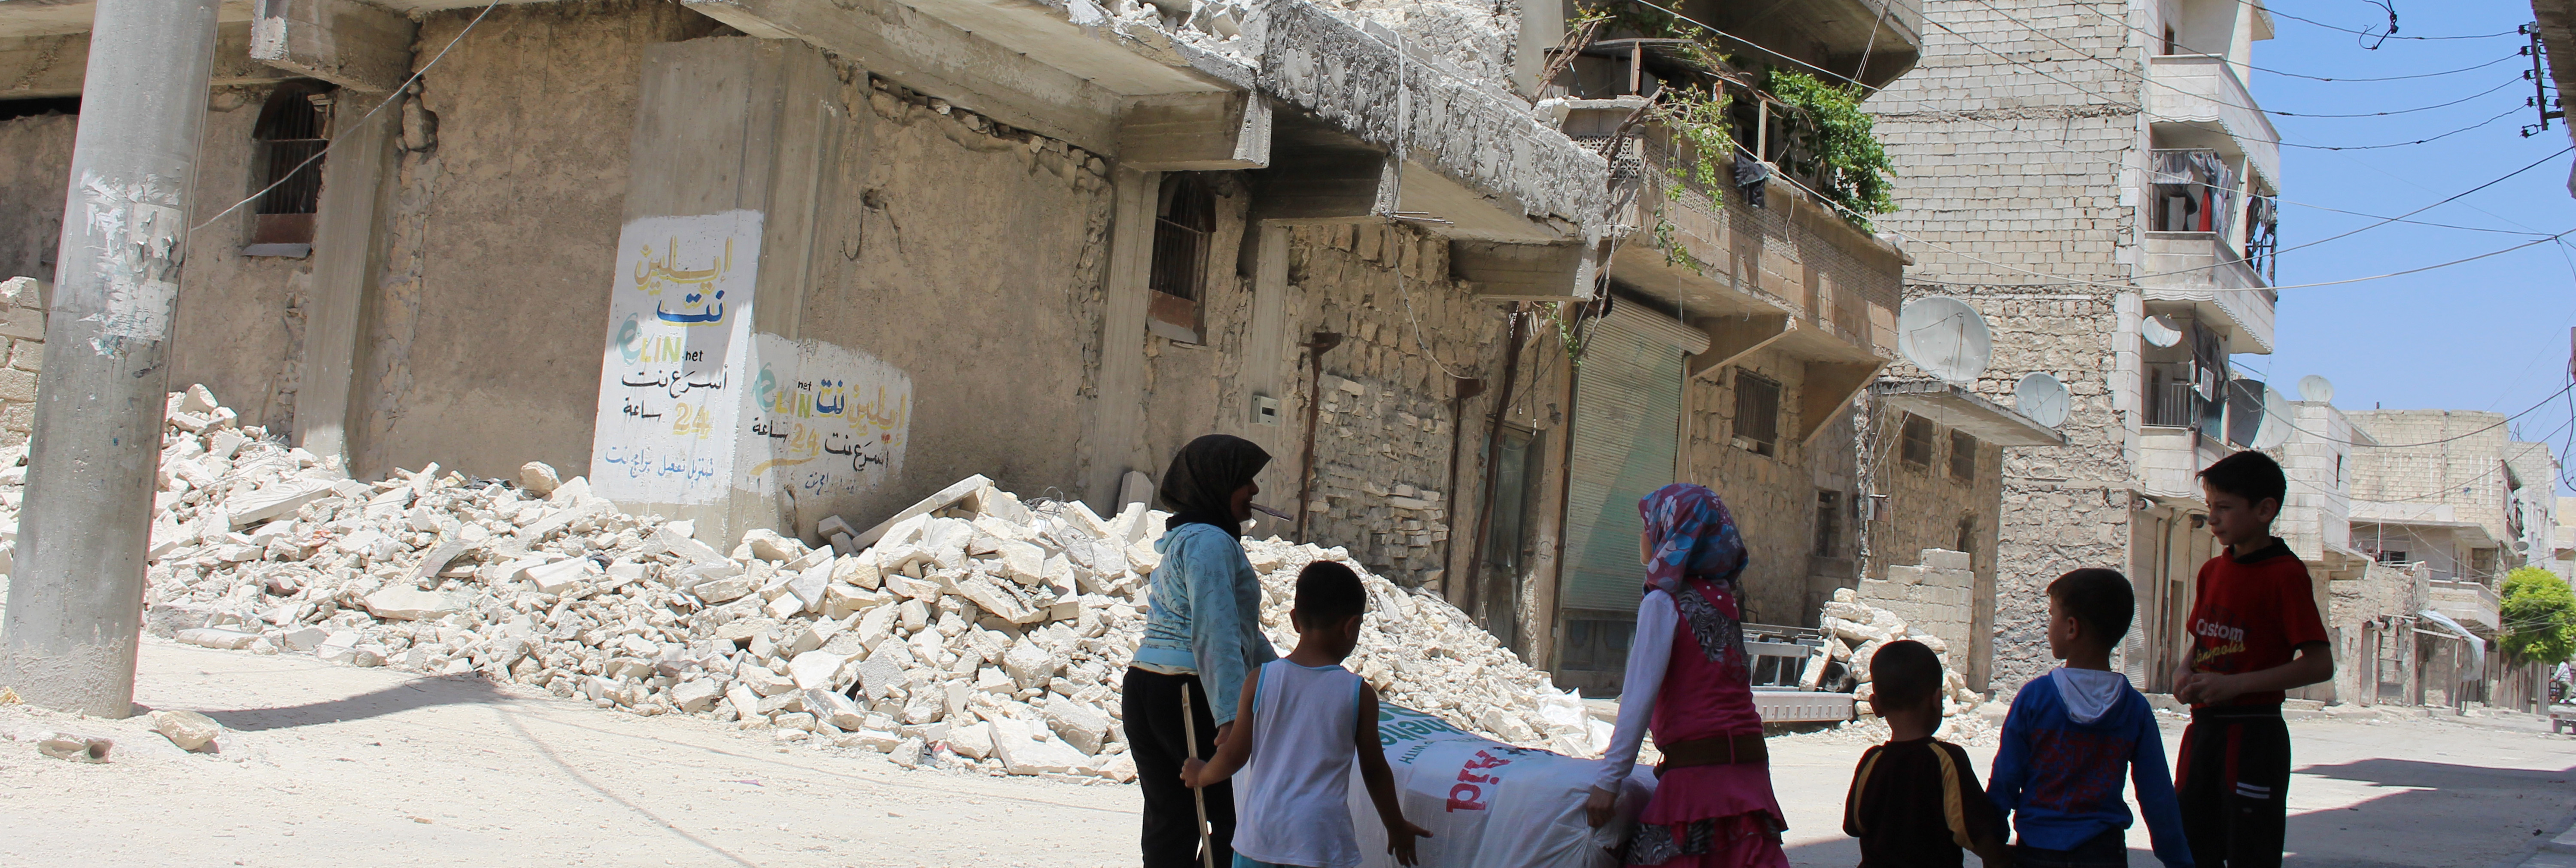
(1833, 143)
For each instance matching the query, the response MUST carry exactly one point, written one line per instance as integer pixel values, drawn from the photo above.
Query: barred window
(286, 155)
(1757, 412)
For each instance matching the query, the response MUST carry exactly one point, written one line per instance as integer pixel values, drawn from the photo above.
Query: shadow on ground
(415, 693)
(2435, 814)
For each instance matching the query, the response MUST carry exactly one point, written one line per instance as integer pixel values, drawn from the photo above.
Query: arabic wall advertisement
(833, 420)
(679, 326)
(692, 404)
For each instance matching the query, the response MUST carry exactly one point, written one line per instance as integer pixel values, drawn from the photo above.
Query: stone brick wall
(1773, 497)
(2458, 465)
(22, 328)
(1385, 426)
(1934, 596)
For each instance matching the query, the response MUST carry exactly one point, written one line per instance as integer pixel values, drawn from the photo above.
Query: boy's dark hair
(1328, 592)
(2099, 599)
(2249, 474)
(1906, 673)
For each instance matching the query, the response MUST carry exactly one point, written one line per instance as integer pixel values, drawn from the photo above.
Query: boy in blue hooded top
(2071, 734)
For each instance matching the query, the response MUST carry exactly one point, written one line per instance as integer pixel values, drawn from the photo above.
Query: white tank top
(1292, 799)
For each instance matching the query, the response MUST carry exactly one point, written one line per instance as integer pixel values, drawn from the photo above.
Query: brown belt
(1722, 750)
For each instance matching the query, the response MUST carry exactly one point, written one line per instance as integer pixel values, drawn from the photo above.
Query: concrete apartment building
(760, 262)
(2093, 180)
(2451, 495)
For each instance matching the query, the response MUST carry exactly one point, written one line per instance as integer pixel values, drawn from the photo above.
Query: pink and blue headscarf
(1695, 540)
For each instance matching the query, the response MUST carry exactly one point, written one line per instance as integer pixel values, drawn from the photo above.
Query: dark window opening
(1184, 220)
(13, 109)
(1967, 535)
(1915, 442)
(2392, 556)
(1757, 412)
(1963, 457)
(1829, 514)
(2172, 44)
(286, 152)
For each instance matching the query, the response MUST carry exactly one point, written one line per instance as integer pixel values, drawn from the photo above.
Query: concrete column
(345, 260)
(1267, 374)
(1118, 407)
(76, 597)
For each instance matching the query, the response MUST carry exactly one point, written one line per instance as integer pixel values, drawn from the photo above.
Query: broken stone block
(284, 497)
(539, 478)
(698, 695)
(1023, 562)
(813, 669)
(1028, 665)
(742, 699)
(795, 720)
(767, 545)
(189, 730)
(1026, 749)
(836, 709)
(674, 538)
(1079, 723)
(561, 576)
(882, 672)
(305, 639)
(217, 638)
(784, 702)
(723, 590)
(860, 571)
(974, 740)
(764, 682)
(411, 604)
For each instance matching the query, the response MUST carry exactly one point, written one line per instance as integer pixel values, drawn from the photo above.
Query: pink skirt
(1720, 816)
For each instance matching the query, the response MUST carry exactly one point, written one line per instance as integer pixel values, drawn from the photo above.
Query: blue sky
(2485, 335)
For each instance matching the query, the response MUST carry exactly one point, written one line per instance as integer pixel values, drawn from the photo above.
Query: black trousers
(1152, 710)
(2107, 850)
(2234, 786)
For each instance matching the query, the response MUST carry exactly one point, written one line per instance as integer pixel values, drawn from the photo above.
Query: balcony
(2203, 270)
(2203, 90)
(2472, 604)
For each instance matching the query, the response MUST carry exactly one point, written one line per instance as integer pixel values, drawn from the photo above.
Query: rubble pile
(1854, 631)
(976, 631)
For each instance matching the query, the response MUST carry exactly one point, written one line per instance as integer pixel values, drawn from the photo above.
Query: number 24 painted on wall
(687, 421)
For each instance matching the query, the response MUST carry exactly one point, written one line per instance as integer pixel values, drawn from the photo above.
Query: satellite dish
(2277, 413)
(2316, 388)
(2160, 331)
(2042, 398)
(1945, 337)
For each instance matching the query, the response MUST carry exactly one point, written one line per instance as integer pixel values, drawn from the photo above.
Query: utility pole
(76, 596)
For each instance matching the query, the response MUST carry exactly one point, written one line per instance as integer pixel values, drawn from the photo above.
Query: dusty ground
(332, 765)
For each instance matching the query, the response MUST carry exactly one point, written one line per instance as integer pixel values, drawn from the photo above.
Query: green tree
(2539, 615)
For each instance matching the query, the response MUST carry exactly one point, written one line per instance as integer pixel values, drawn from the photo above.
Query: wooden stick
(1190, 731)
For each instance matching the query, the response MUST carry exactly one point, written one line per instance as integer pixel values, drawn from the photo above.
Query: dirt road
(332, 765)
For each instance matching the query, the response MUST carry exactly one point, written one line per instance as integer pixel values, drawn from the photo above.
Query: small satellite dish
(2316, 388)
(2277, 413)
(2160, 331)
(2042, 398)
(1945, 337)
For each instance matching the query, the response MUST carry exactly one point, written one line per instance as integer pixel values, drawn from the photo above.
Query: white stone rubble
(1854, 631)
(978, 631)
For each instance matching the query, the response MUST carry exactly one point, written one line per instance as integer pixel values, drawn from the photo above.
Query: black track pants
(2233, 786)
(1152, 709)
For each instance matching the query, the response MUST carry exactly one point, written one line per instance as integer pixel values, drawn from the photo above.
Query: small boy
(2071, 733)
(1304, 720)
(2253, 633)
(1915, 801)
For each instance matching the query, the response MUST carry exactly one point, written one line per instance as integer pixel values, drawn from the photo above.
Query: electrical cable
(2484, 123)
(2447, 200)
(2381, 36)
(2507, 83)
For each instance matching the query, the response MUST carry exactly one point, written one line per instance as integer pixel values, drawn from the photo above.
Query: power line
(2452, 198)
(2490, 121)
(2507, 83)
(2392, 28)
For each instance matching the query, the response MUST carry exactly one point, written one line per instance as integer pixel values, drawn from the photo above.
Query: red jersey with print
(2251, 613)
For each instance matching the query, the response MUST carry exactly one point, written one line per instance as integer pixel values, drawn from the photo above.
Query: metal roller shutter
(1627, 418)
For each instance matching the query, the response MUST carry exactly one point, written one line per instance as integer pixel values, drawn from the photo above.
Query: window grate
(1182, 223)
(290, 132)
(1963, 457)
(1757, 411)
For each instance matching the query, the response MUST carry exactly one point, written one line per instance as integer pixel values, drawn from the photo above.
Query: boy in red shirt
(2253, 633)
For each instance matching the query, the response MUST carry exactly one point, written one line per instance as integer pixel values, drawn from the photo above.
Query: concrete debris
(1854, 631)
(972, 630)
(66, 746)
(189, 730)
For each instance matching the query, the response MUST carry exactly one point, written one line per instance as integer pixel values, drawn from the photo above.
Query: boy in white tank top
(1304, 720)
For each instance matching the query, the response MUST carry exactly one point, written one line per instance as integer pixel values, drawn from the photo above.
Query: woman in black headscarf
(1203, 627)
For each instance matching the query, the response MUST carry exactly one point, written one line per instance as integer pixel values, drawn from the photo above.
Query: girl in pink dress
(1690, 683)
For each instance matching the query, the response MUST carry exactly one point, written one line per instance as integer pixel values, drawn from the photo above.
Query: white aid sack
(1488, 804)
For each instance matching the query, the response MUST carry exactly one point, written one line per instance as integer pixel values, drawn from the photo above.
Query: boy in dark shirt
(2253, 633)
(2073, 732)
(1915, 800)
